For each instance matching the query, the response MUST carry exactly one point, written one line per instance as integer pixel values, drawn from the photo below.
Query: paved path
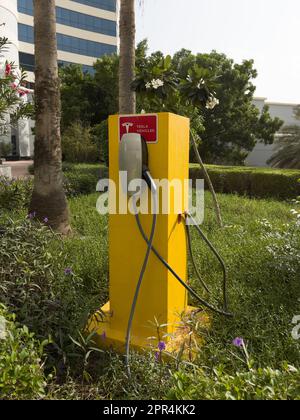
(19, 169)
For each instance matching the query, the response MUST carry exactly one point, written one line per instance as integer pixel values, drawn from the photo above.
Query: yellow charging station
(162, 299)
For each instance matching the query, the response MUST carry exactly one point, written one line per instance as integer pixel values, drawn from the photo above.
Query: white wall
(262, 153)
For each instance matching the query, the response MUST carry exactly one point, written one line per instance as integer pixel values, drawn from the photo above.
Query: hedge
(253, 182)
(80, 178)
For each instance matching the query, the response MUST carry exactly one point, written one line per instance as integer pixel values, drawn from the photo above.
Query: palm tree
(127, 97)
(48, 199)
(287, 149)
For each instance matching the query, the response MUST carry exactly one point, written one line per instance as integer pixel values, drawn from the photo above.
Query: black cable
(220, 259)
(189, 241)
(141, 276)
(182, 282)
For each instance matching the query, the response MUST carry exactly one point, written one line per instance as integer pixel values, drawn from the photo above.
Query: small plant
(240, 343)
(86, 347)
(5, 149)
(256, 384)
(15, 194)
(78, 145)
(21, 360)
(284, 244)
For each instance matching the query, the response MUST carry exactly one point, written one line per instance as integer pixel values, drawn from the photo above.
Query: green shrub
(100, 133)
(256, 384)
(78, 145)
(5, 149)
(33, 281)
(82, 178)
(253, 182)
(78, 179)
(15, 194)
(31, 169)
(278, 184)
(21, 371)
(80, 183)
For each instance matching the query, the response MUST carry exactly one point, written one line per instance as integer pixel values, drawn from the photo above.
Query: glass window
(86, 22)
(75, 19)
(25, 6)
(70, 43)
(109, 5)
(27, 62)
(26, 33)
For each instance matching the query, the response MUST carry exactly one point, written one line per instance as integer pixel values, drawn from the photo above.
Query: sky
(267, 31)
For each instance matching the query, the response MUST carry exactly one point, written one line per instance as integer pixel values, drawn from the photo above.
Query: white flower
(143, 111)
(201, 82)
(16, 73)
(212, 102)
(157, 83)
(2, 72)
(3, 333)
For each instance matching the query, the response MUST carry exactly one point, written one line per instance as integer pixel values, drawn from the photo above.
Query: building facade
(86, 30)
(285, 111)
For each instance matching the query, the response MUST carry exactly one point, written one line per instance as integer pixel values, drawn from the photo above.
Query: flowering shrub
(21, 372)
(13, 93)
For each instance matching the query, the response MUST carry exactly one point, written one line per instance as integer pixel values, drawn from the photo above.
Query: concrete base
(183, 341)
(5, 171)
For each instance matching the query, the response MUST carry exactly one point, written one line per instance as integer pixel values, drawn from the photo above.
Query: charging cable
(181, 281)
(149, 242)
(214, 251)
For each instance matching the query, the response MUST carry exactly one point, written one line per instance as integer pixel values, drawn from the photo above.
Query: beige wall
(285, 111)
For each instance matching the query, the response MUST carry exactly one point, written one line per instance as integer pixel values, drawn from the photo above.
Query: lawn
(264, 288)
(263, 296)
(260, 244)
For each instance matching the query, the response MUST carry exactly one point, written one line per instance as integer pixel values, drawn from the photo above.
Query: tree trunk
(48, 198)
(127, 97)
(209, 183)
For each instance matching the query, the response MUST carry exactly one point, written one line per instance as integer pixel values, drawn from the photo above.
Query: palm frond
(287, 149)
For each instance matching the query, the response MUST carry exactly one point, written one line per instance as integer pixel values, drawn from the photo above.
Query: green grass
(263, 295)
(263, 299)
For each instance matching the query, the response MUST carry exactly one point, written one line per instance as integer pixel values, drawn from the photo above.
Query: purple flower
(68, 271)
(46, 220)
(32, 215)
(161, 346)
(103, 336)
(238, 342)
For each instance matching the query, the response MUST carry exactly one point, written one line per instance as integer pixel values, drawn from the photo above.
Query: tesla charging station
(161, 297)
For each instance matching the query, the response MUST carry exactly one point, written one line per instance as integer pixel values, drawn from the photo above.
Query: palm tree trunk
(48, 198)
(127, 97)
(209, 183)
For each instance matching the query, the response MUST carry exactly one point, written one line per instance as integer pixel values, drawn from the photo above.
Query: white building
(86, 30)
(285, 111)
